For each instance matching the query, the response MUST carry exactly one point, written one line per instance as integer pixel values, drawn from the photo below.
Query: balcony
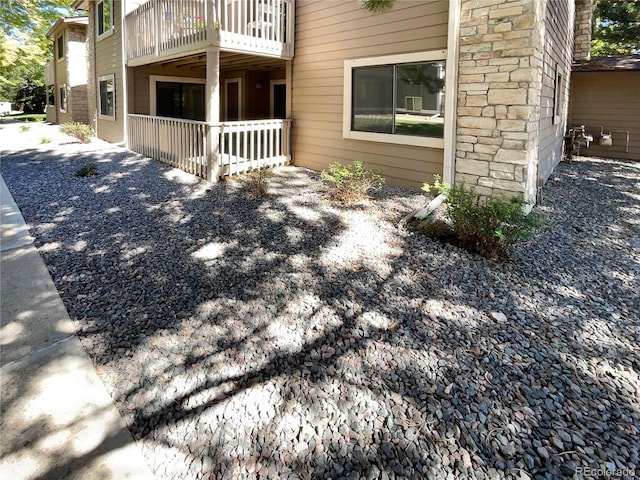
(49, 73)
(166, 29)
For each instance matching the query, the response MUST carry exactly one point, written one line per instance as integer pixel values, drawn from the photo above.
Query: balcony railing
(240, 146)
(49, 73)
(169, 28)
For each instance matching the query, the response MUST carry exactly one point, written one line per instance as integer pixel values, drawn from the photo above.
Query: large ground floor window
(393, 96)
(180, 100)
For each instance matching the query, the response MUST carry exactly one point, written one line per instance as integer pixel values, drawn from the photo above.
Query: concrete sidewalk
(57, 419)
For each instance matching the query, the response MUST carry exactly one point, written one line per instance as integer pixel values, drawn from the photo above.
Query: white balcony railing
(164, 28)
(241, 146)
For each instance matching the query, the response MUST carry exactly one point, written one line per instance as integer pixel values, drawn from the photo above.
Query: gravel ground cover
(288, 337)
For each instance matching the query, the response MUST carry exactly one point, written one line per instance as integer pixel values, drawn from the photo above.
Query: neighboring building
(605, 98)
(476, 91)
(5, 108)
(69, 71)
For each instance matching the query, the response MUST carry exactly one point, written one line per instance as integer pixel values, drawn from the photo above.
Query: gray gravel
(288, 337)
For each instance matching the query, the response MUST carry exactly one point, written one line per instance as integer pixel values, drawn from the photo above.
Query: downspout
(450, 108)
(451, 92)
(125, 93)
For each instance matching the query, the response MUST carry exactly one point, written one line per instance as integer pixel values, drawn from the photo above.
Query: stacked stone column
(583, 27)
(499, 84)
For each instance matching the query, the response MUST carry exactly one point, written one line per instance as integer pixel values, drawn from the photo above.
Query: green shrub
(45, 140)
(81, 131)
(257, 185)
(351, 182)
(24, 128)
(89, 169)
(480, 224)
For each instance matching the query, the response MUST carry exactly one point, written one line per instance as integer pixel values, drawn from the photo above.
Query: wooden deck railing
(246, 146)
(168, 28)
(241, 146)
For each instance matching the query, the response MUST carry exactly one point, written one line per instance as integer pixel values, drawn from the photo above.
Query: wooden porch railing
(241, 146)
(246, 146)
(168, 28)
(176, 142)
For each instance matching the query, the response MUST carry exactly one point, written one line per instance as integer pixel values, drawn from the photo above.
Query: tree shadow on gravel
(243, 338)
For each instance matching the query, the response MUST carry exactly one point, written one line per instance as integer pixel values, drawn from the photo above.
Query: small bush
(89, 169)
(484, 225)
(257, 185)
(81, 131)
(45, 140)
(351, 182)
(24, 128)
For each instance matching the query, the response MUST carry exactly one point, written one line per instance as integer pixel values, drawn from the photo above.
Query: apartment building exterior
(66, 75)
(472, 90)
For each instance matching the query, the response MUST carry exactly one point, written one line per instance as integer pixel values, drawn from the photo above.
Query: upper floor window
(60, 46)
(396, 99)
(104, 17)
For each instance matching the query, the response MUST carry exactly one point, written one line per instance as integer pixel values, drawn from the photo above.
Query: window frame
(109, 31)
(60, 43)
(154, 79)
(62, 103)
(349, 65)
(557, 96)
(101, 79)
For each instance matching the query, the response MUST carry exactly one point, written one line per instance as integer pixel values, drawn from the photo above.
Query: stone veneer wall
(499, 85)
(583, 29)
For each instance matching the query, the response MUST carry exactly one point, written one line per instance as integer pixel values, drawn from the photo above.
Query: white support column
(288, 76)
(212, 112)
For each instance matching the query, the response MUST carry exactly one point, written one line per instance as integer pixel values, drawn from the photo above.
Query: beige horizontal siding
(610, 100)
(140, 87)
(109, 61)
(557, 58)
(327, 34)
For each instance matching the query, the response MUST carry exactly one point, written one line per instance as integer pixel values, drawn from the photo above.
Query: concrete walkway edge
(58, 420)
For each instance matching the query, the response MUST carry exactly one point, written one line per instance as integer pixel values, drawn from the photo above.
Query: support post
(212, 113)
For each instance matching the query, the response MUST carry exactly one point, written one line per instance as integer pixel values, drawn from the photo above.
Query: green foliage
(484, 225)
(24, 48)
(31, 97)
(24, 128)
(28, 117)
(78, 130)
(45, 140)
(257, 185)
(376, 6)
(89, 169)
(351, 182)
(616, 29)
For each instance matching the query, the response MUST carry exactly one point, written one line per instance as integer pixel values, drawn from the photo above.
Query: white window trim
(153, 79)
(101, 116)
(106, 33)
(64, 54)
(66, 98)
(558, 80)
(349, 65)
(237, 80)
